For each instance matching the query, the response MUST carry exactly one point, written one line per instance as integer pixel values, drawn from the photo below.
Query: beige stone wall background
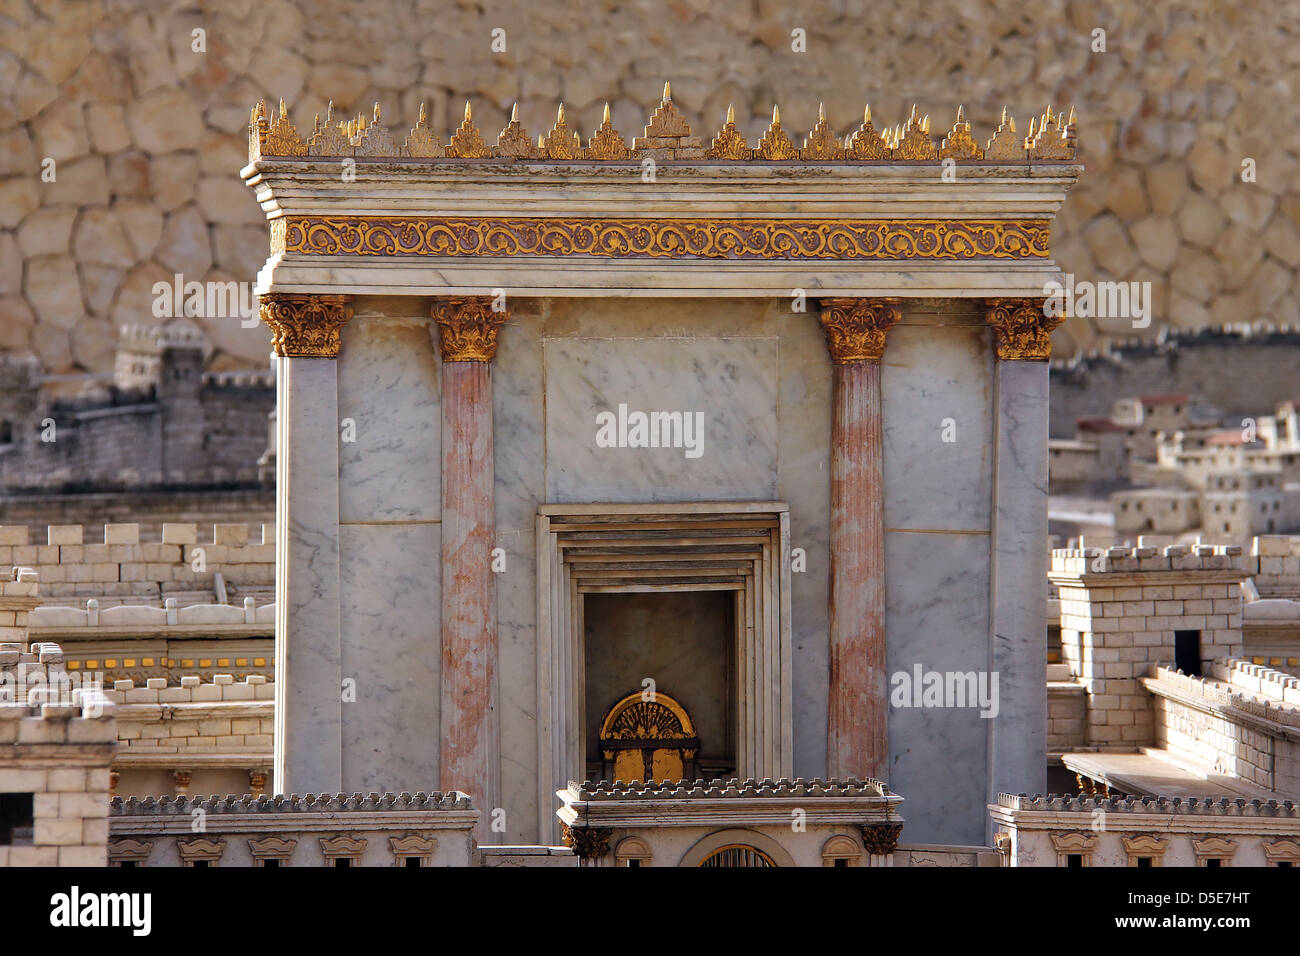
(148, 136)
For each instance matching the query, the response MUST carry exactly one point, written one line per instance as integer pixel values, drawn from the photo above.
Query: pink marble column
(470, 751)
(857, 738)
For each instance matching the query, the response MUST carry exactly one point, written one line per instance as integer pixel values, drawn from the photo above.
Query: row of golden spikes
(1051, 137)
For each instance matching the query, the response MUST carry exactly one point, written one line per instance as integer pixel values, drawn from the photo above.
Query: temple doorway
(659, 684)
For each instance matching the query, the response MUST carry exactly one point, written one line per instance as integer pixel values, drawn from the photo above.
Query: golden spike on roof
(925, 123)
(775, 144)
(467, 141)
(730, 143)
(1005, 144)
(1070, 122)
(376, 112)
(421, 141)
(822, 144)
(513, 141)
(668, 92)
(281, 137)
(959, 144)
(606, 143)
(866, 143)
(558, 144)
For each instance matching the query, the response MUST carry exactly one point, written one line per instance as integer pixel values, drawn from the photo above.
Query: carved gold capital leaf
(1024, 331)
(305, 326)
(881, 839)
(467, 328)
(856, 327)
(586, 842)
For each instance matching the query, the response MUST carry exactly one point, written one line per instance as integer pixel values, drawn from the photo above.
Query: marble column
(857, 739)
(308, 646)
(1018, 573)
(470, 752)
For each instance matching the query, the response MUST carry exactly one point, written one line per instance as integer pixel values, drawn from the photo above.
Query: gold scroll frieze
(622, 238)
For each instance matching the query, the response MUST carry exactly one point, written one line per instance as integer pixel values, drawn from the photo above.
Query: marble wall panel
(937, 615)
(389, 601)
(389, 386)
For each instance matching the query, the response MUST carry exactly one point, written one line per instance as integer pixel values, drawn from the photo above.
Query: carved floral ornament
(856, 327)
(1022, 328)
(305, 326)
(1051, 139)
(467, 328)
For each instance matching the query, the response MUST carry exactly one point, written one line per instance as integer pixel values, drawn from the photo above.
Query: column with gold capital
(308, 747)
(1022, 331)
(857, 738)
(470, 751)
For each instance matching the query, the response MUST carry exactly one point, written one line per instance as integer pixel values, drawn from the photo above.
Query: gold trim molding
(856, 327)
(305, 326)
(815, 239)
(1052, 137)
(1023, 330)
(467, 327)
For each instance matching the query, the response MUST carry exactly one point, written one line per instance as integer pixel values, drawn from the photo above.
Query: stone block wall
(1067, 712)
(114, 566)
(56, 741)
(1240, 719)
(148, 134)
(193, 738)
(1120, 610)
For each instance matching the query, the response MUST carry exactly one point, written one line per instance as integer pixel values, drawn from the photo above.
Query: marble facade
(890, 411)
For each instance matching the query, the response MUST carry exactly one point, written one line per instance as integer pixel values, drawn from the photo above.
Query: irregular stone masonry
(1175, 557)
(115, 565)
(1190, 806)
(1275, 565)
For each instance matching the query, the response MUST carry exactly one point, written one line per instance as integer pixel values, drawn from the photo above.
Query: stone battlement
(1185, 806)
(152, 618)
(1257, 679)
(1217, 693)
(112, 562)
(291, 803)
(715, 789)
(223, 688)
(1174, 557)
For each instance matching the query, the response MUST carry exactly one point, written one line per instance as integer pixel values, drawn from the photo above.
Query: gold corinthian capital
(305, 325)
(856, 327)
(1023, 329)
(468, 327)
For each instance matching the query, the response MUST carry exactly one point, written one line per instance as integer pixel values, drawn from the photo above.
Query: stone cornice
(856, 327)
(305, 326)
(467, 328)
(1023, 330)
